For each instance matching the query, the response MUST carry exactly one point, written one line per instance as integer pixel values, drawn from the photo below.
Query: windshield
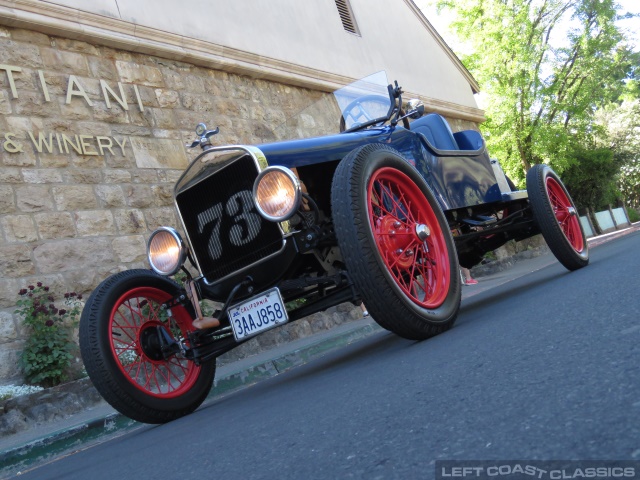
(364, 100)
(359, 102)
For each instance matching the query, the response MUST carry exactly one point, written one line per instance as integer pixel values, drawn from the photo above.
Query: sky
(441, 22)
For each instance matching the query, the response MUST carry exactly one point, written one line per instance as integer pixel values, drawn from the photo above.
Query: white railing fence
(605, 221)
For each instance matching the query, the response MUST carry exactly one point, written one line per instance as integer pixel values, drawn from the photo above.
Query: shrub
(49, 348)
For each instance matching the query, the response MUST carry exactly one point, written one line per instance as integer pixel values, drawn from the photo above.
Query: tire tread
(103, 373)
(387, 308)
(545, 218)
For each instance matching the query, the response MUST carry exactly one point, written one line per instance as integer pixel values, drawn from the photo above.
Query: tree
(591, 177)
(619, 130)
(629, 183)
(545, 67)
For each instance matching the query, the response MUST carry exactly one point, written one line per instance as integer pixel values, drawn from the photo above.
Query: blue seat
(437, 131)
(469, 140)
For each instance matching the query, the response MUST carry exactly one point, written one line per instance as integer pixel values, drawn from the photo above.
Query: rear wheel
(557, 217)
(395, 242)
(120, 342)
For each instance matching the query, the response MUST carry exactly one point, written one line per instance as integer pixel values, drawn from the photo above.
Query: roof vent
(346, 16)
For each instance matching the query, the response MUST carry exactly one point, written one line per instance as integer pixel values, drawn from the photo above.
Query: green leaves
(545, 68)
(619, 129)
(48, 351)
(591, 178)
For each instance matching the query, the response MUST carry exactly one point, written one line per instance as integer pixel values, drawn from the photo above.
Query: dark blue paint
(459, 179)
(300, 153)
(469, 140)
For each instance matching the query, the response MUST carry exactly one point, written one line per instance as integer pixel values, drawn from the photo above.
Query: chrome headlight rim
(297, 189)
(181, 256)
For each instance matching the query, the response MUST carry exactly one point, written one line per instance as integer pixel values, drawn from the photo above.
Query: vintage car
(278, 231)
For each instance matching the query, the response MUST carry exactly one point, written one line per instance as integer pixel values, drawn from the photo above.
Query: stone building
(98, 99)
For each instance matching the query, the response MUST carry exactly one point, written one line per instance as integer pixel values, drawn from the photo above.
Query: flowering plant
(49, 349)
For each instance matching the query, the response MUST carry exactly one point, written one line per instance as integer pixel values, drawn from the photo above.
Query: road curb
(600, 239)
(232, 378)
(75, 437)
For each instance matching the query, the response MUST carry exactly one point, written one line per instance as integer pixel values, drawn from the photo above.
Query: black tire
(118, 328)
(378, 202)
(557, 217)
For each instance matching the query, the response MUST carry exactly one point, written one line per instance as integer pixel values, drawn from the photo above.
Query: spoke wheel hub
(409, 237)
(149, 341)
(422, 231)
(395, 238)
(138, 334)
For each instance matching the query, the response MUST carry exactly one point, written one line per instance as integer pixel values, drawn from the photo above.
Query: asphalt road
(544, 367)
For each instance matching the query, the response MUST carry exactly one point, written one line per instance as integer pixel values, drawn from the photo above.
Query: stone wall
(74, 210)
(92, 141)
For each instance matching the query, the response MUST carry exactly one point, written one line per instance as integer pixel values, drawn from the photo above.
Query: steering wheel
(359, 114)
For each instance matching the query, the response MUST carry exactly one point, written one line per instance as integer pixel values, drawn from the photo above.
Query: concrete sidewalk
(78, 431)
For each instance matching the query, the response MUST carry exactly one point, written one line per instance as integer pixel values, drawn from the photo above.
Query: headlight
(166, 251)
(276, 193)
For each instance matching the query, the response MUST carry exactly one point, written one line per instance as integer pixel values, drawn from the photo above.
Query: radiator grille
(223, 225)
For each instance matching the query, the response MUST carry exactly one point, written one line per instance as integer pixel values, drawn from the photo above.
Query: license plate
(258, 314)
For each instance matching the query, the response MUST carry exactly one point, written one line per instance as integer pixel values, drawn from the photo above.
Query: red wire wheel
(557, 217)
(121, 327)
(409, 238)
(566, 214)
(395, 242)
(134, 321)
